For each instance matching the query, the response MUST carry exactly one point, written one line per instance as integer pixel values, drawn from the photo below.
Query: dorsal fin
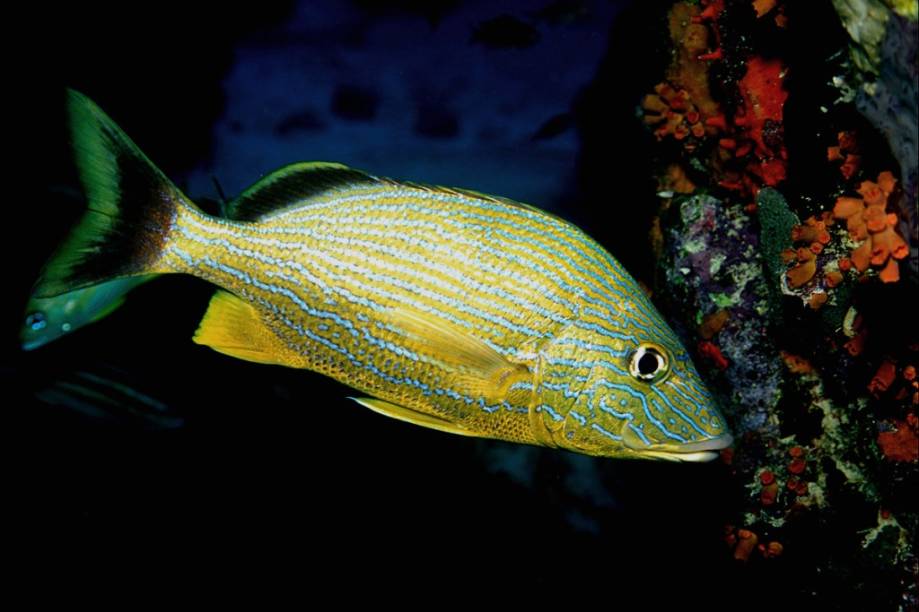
(292, 186)
(296, 184)
(471, 193)
(488, 197)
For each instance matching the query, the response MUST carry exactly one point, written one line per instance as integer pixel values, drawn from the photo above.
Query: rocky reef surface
(787, 252)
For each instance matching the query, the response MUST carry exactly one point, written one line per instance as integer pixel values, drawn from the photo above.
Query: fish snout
(697, 451)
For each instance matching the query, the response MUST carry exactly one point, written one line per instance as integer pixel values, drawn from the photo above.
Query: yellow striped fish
(450, 309)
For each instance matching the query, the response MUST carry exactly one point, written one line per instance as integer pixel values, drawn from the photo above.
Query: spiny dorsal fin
(487, 197)
(292, 186)
(297, 183)
(478, 195)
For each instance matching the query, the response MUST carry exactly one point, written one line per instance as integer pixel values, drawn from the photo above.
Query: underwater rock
(822, 404)
(712, 323)
(718, 91)
(884, 42)
(811, 440)
(711, 264)
(689, 69)
(682, 106)
(800, 449)
(865, 21)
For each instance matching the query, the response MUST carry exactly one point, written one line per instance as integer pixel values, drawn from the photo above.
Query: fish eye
(36, 321)
(649, 363)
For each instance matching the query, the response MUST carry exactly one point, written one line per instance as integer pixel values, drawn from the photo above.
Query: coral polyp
(846, 154)
(873, 227)
(672, 113)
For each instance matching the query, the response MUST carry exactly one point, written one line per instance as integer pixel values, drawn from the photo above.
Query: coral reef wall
(787, 252)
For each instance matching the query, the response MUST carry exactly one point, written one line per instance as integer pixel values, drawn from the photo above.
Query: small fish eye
(649, 363)
(36, 321)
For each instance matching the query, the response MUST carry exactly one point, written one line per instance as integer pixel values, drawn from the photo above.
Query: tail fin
(131, 207)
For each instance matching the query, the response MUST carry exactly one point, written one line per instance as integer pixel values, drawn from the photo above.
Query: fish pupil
(648, 364)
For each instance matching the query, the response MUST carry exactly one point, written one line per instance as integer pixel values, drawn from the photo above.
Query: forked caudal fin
(131, 207)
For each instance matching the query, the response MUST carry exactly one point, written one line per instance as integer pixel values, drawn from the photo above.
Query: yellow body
(453, 310)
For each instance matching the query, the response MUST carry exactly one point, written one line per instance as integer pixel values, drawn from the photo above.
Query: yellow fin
(413, 416)
(233, 327)
(480, 370)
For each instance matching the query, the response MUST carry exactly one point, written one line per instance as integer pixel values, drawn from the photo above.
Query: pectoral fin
(477, 369)
(413, 416)
(234, 327)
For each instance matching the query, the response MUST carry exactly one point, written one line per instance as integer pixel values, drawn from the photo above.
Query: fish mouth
(696, 452)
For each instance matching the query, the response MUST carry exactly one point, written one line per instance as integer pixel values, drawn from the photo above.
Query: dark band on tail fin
(131, 206)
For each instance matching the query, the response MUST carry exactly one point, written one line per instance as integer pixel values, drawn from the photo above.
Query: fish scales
(453, 310)
(318, 259)
(327, 253)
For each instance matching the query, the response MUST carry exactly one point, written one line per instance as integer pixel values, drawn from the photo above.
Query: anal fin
(234, 327)
(413, 416)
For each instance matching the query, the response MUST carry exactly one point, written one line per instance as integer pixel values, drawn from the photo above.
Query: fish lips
(705, 450)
